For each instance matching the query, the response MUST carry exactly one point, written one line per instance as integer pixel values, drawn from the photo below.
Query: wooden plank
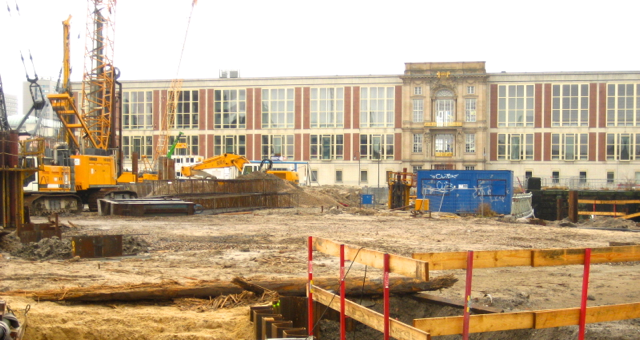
(601, 213)
(570, 316)
(397, 264)
(530, 319)
(626, 217)
(375, 320)
(621, 202)
(528, 257)
(481, 259)
(570, 256)
(478, 323)
(459, 304)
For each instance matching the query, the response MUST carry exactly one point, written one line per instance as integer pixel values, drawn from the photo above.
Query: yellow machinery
(400, 184)
(83, 168)
(225, 166)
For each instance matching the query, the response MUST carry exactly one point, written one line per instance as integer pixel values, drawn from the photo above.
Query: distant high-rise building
(11, 101)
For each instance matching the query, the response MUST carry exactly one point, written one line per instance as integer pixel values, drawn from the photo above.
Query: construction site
(188, 247)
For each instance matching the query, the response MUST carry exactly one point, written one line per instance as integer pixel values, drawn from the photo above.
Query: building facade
(354, 130)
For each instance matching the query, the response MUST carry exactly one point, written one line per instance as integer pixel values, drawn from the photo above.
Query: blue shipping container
(464, 191)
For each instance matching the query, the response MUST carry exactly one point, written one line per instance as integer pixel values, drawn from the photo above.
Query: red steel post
(343, 322)
(309, 294)
(585, 290)
(467, 296)
(386, 296)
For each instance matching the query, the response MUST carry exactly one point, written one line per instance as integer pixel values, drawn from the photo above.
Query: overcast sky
(308, 38)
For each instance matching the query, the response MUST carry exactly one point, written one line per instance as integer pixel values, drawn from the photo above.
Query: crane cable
(186, 33)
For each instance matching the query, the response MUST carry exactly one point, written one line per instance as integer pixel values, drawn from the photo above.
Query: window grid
(190, 141)
(376, 146)
(416, 168)
(230, 109)
(417, 90)
(623, 105)
(623, 146)
(377, 108)
(470, 109)
(418, 110)
(471, 89)
(186, 116)
(235, 144)
(515, 146)
(326, 147)
(143, 145)
(417, 143)
(277, 108)
(469, 167)
(570, 105)
(470, 143)
(327, 107)
(444, 145)
(515, 105)
(570, 146)
(278, 146)
(137, 110)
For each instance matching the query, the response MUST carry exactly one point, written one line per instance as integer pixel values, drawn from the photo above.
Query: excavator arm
(221, 161)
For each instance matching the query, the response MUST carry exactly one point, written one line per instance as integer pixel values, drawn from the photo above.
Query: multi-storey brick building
(352, 130)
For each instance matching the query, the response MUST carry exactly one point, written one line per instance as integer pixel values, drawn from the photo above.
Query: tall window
(364, 176)
(417, 143)
(515, 105)
(137, 110)
(418, 110)
(570, 146)
(235, 144)
(470, 109)
(327, 107)
(623, 146)
(570, 105)
(470, 143)
(277, 145)
(417, 90)
(610, 176)
(376, 146)
(191, 145)
(444, 145)
(444, 108)
(515, 146)
(471, 89)
(377, 106)
(186, 116)
(555, 177)
(623, 104)
(230, 109)
(338, 176)
(143, 145)
(277, 108)
(327, 146)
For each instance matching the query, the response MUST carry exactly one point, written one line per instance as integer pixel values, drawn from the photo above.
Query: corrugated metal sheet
(466, 191)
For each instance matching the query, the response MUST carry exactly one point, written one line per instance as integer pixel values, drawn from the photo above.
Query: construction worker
(9, 323)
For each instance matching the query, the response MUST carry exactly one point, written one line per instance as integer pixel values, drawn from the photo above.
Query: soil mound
(9, 242)
(46, 249)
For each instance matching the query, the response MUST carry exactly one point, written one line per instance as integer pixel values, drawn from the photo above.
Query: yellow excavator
(230, 166)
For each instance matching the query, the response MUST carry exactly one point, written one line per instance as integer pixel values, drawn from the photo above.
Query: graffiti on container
(439, 187)
(484, 192)
(444, 176)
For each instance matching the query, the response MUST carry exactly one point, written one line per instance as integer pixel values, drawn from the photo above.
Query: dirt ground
(271, 244)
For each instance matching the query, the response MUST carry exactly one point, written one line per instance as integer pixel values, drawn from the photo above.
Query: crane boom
(4, 122)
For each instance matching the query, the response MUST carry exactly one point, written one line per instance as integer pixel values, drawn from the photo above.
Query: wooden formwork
(530, 319)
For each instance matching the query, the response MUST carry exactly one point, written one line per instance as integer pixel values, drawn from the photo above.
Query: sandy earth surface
(271, 244)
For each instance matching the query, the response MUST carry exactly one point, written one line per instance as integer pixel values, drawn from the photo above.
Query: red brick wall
(547, 146)
(257, 109)
(208, 117)
(250, 111)
(250, 147)
(593, 104)
(537, 113)
(298, 147)
(347, 107)
(602, 146)
(209, 147)
(306, 107)
(593, 145)
(603, 105)
(347, 146)
(305, 146)
(537, 147)
(298, 110)
(493, 107)
(493, 146)
(397, 152)
(257, 146)
(547, 105)
(356, 107)
(356, 146)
